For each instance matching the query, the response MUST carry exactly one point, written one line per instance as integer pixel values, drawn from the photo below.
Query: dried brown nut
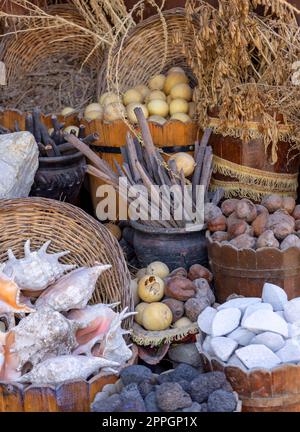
(236, 226)
(281, 223)
(180, 271)
(296, 212)
(272, 202)
(211, 211)
(297, 225)
(245, 209)
(288, 204)
(261, 209)
(180, 288)
(267, 239)
(290, 241)
(204, 290)
(228, 206)
(176, 306)
(220, 236)
(217, 224)
(197, 271)
(244, 241)
(194, 306)
(259, 224)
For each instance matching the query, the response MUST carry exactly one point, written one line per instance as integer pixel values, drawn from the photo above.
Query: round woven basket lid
(143, 337)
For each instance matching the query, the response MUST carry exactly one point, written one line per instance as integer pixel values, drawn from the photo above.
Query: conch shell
(10, 296)
(64, 368)
(38, 269)
(72, 291)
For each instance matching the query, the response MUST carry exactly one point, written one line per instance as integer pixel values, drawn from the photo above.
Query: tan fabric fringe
(150, 338)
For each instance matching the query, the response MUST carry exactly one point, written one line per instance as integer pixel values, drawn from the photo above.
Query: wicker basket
(152, 47)
(69, 228)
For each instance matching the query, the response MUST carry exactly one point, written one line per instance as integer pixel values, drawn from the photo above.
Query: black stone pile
(184, 389)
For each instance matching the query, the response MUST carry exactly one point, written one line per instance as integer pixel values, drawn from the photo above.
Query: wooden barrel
(262, 390)
(244, 272)
(172, 137)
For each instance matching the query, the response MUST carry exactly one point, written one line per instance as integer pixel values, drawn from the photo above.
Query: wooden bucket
(262, 390)
(244, 272)
(71, 396)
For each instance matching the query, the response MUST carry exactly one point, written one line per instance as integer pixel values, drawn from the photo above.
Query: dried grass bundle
(244, 65)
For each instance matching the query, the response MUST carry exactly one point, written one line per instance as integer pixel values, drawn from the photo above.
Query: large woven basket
(152, 47)
(69, 228)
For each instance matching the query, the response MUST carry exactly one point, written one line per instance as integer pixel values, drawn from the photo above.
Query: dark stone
(184, 372)
(221, 401)
(204, 407)
(145, 387)
(171, 397)
(185, 353)
(131, 399)
(151, 403)
(163, 378)
(206, 384)
(195, 407)
(227, 387)
(185, 385)
(135, 374)
(111, 404)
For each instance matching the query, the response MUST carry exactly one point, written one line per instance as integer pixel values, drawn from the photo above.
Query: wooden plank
(73, 397)
(11, 398)
(40, 399)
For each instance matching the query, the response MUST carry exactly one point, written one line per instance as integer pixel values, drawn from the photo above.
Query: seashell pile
(56, 337)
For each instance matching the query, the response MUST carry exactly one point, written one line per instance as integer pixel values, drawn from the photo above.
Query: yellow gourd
(156, 95)
(93, 115)
(185, 162)
(159, 269)
(182, 91)
(151, 288)
(140, 312)
(157, 82)
(179, 106)
(173, 79)
(182, 322)
(114, 111)
(67, 110)
(157, 317)
(143, 89)
(158, 107)
(132, 96)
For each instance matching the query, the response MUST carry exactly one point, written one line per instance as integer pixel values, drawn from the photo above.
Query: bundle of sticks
(144, 165)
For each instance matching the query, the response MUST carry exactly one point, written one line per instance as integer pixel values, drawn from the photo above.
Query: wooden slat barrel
(244, 272)
(262, 390)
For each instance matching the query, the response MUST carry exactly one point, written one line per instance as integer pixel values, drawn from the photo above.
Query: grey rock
(221, 401)
(164, 377)
(206, 384)
(292, 311)
(258, 356)
(186, 385)
(109, 404)
(290, 353)
(171, 397)
(273, 341)
(205, 320)
(241, 303)
(225, 321)
(184, 372)
(185, 353)
(131, 399)
(204, 407)
(145, 387)
(242, 336)
(135, 374)
(18, 164)
(223, 347)
(275, 296)
(195, 407)
(151, 403)
(253, 308)
(265, 320)
(204, 291)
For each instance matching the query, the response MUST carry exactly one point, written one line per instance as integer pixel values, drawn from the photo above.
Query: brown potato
(288, 204)
(220, 236)
(244, 241)
(290, 241)
(272, 202)
(211, 211)
(259, 224)
(281, 223)
(261, 209)
(236, 226)
(246, 210)
(176, 306)
(296, 212)
(197, 271)
(194, 306)
(217, 224)
(267, 239)
(228, 206)
(180, 288)
(180, 271)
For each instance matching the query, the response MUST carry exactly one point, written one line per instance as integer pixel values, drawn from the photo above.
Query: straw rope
(143, 337)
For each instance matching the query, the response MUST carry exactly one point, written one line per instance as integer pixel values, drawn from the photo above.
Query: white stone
(18, 164)
(242, 336)
(206, 346)
(223, 347)
(205, 319)
(253, 308)
(281, 314)
(292, 311)
(258, 356)
(240, 303)
(294, 329)
(290, 352)
(235, 361)
(265, 320)
(273, 341)
(225, 321)
(274, 295)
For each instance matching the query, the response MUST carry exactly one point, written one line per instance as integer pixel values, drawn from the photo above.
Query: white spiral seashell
(38, 269)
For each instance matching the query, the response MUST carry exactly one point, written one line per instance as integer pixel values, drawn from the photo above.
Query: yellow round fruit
(67, 110)
(181, 91)
(158, 107)
(173, 79)
(108, 98)
(184, 118)
(182, 322)
(114, 111)
(176, 69)
(157, 82)
(156, 95)
(140, 312)
(185, 162)
(157, 317)
(131, 114)
(132, 96)
(143, 89)
(179, 106)
(93, 115)
(157, 119)
(159, 269)
(71, 128)
(151, 288)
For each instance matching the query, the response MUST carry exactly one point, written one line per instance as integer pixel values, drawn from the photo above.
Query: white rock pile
(252, 332)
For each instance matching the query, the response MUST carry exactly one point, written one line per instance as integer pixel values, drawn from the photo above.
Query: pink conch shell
(40, 335)
(72, 291)
(10, 296)
(64, 368)
(38, 269)
(11, 364)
